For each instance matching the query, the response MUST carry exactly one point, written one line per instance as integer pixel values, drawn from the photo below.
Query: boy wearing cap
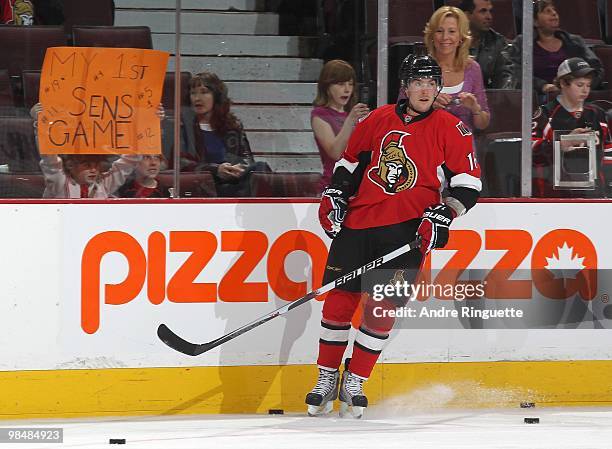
(569, 111)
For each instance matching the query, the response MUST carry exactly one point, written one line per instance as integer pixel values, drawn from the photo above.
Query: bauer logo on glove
(433, 229)
(332, 210)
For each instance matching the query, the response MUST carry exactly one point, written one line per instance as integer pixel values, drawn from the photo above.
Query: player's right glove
(433, 229)
(332, 210)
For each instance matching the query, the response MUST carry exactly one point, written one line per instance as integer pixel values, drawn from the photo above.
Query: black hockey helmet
(414, 67)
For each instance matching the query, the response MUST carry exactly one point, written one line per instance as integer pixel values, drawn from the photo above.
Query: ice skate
(321, 399)
(352, 400)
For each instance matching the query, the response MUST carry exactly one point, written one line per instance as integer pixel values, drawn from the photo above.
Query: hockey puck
(116, 441)
(527, 404)
(276, 411)
(532, 420)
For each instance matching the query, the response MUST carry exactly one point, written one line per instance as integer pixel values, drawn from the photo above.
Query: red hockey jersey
(16, 12)
(411, 163)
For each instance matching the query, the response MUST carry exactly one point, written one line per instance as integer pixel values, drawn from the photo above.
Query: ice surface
(388, 427)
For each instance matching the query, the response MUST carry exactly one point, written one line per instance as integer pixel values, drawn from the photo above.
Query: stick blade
(177, 343)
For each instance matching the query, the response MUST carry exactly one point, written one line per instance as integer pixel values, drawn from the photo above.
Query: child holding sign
(144, 183)
(81, 175)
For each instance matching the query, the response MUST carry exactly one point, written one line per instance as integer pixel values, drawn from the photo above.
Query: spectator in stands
(570, 111)
(84, 175)
(16, 12)
(447, 37)
(551, 46)
(335, 113)
(487, 46)
(213, 139)
(143, 183)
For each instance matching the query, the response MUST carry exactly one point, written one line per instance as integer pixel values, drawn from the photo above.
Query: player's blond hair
(462, 55)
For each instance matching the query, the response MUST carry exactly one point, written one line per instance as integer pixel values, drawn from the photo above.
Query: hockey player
(385, 191)
(570, 111)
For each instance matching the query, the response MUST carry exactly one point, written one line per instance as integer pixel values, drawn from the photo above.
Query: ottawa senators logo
(395, 170)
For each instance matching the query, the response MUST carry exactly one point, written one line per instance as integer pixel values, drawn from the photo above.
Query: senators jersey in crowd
(553, 117)
(16, 12)
(402, 164)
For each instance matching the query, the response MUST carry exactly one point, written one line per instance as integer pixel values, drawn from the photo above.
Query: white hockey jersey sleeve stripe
(350, 166)
(465, 180)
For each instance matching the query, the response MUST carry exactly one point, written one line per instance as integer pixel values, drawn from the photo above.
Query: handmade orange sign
(101, 100)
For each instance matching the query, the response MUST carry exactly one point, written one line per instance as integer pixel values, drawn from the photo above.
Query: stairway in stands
(271, 78)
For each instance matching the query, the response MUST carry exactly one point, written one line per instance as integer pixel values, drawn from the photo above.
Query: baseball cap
(574, 66)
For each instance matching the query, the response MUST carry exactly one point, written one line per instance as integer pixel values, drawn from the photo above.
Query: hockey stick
(180, 344)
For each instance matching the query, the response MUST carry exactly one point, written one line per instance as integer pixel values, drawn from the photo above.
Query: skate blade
(350, 411)
(319, 410)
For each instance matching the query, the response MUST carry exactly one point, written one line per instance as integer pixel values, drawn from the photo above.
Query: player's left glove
(332, 210)
(433, 229)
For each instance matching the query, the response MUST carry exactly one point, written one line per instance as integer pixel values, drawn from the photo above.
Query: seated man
(488, 47)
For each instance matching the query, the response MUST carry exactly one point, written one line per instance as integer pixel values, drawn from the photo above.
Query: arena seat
(582, 19)
(110, 36)
(407, 19)
(17, 145)
(608, 21)
(192, 185)
(7, 104)
(79, 13)
(604, 53)
(23, 47)
(500, 162)
(31, 86)
(21, 185)
(505, 108)
(285, 184)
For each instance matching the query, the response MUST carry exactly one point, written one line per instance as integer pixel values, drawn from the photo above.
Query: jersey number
(473, 162)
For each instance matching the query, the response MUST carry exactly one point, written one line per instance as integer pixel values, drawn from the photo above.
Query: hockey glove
(332, 210)
(433, 229)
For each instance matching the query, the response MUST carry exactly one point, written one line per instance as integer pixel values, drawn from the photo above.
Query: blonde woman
(447, 37)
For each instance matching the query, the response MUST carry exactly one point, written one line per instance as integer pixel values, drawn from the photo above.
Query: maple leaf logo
(567, 265)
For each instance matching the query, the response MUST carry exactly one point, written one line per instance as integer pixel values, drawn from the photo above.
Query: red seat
(79, 12)
(110, 36)
(285, 184)
(608, 21)
(600, 95)
(23, 47)
(499, 155)
(22, 185)
(505, 107)
(192, 185)
(604, 53)
(7, 105)
(31, 86)
(17, 145)
(168, 92)
(407, 19)
(582, 19)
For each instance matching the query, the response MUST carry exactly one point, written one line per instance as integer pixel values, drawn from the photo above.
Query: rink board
(86, 285)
